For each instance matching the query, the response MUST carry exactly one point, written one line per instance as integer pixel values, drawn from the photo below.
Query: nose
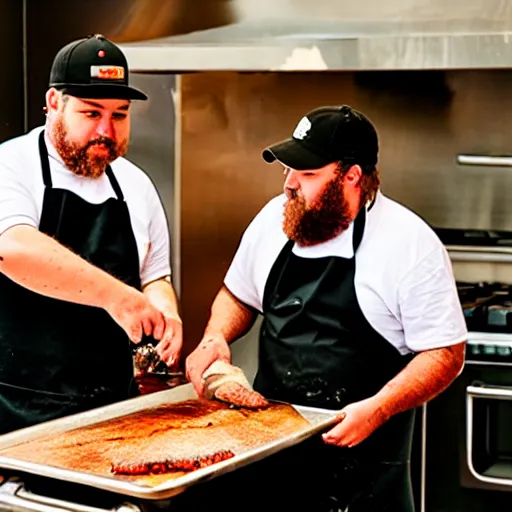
(291, 182)
(105, 127)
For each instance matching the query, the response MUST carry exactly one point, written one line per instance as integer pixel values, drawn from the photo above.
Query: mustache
(108, 143)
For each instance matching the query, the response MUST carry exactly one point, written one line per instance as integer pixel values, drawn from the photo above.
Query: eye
(308, 174)
(119, 116)
(93, 114)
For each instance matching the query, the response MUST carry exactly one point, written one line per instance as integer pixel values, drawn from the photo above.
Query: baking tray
(319, 420)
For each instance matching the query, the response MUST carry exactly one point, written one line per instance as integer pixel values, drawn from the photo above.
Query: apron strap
(114, 183)
(357, 234)
(45, 162)
(359, 225)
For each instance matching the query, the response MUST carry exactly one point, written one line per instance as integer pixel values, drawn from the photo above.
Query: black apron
(60, 358)
(317, 349)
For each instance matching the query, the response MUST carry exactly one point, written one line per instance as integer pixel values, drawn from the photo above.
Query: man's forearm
(39, 263)
(229, 317)
(428, 374)
(161, 294)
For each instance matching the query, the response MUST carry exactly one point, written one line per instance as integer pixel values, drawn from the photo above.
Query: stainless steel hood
(302, 45)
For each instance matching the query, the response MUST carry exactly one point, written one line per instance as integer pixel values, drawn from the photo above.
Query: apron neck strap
(47, 175)
(357, 234)
(45, 162)
(114, 183)
(359, 225)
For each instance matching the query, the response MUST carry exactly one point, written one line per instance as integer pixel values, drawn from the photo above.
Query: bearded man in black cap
(84, 248)
(360, 314)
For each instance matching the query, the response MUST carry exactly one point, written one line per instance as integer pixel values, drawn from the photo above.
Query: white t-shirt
(22, 190)
(404, 281)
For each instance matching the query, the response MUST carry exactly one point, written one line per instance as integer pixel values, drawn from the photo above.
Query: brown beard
(324, 219)
(77, 159)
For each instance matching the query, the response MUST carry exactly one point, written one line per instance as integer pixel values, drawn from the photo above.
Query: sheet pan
(319, 419)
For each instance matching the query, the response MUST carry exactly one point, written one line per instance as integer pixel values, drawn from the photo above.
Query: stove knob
(489, 350)
(475, 350)
(503, 351)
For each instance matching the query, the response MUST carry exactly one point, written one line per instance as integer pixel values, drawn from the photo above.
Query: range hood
(318, 45)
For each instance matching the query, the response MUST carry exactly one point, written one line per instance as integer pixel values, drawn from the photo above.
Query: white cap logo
(302, 128)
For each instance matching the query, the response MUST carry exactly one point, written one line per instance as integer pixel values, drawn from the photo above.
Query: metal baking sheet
(319, 420)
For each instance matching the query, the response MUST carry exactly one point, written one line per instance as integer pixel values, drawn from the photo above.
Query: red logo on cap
(108, 72)
(101, 53)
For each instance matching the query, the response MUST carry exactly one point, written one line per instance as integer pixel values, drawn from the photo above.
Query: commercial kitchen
(225, 78)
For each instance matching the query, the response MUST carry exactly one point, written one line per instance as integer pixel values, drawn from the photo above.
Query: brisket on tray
(184, 463)
(223, 382)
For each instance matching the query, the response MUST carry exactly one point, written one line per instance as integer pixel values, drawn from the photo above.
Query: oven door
(468, 432)
(488, 437)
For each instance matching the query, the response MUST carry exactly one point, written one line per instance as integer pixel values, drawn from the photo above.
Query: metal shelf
(277, 44)
(480, 254)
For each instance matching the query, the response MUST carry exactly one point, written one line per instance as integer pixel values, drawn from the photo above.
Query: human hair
(370, 179)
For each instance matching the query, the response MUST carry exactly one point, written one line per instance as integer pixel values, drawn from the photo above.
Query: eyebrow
(101, 107)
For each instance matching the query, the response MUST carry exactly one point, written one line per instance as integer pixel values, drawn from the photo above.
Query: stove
(482, 261)
(468, 464)
(487, 306)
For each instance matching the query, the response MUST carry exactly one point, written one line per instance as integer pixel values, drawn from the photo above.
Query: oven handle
(14, 495)
(489, 392)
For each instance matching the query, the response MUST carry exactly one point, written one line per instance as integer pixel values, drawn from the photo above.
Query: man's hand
(135, 314)
(171, 342)
(211, 348)
(357, 422)
(161, 294)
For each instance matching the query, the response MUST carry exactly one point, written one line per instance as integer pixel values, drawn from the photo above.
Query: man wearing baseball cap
(360, 315)
(84, 248)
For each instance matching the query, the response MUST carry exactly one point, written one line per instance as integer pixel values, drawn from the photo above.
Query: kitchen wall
(11, 84)
(440, 10)
(424, 119)
(213, 180)
(57, 22)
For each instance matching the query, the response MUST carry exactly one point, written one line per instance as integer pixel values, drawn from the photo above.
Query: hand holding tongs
(147, 361)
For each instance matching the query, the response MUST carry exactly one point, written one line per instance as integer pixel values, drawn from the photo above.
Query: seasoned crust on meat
(169, 464)
(235, 394)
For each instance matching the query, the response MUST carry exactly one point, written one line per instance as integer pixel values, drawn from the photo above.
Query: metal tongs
(147, 361)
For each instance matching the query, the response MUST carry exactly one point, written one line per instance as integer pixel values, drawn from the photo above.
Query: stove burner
(487, 306)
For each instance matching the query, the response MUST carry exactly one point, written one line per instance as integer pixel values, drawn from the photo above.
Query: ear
(353, 175)
(53, 100)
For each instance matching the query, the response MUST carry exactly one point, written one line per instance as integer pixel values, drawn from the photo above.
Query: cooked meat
(227, 383)
(188, 430)
(169, 465)
(235, 394)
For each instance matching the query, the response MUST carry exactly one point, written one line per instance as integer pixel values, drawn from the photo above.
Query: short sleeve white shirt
(404, 281)
(22, 191)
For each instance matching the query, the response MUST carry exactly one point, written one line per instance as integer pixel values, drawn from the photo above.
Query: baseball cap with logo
(326, 135)
(93, 67)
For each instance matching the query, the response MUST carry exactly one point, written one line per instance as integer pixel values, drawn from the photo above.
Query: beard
(326, 218)
(77, 158)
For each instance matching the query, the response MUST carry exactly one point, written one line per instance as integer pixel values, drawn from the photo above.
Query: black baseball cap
(326, 135)
(93, 67)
